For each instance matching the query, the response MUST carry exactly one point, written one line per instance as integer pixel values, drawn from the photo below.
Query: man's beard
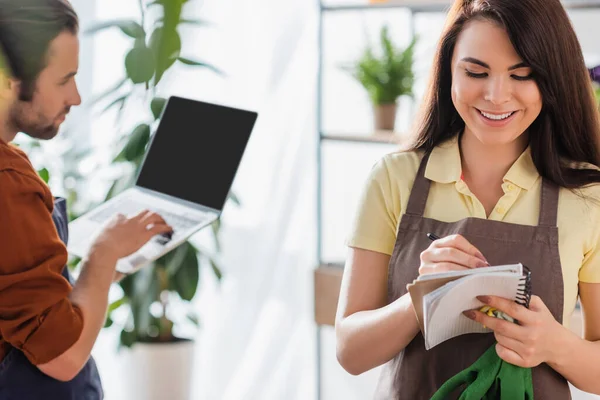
(36, 129)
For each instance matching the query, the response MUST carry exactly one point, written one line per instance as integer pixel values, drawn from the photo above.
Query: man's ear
(5, 86)
(14, 86)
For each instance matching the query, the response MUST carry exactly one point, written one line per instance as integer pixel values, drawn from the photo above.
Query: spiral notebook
(439, 299)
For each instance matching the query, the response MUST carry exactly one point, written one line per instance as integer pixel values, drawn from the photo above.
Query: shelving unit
(327, 277)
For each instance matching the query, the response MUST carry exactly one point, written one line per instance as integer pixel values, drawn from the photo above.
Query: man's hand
(123, 236)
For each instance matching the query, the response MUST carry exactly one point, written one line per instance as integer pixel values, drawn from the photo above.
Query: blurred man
(47, 326)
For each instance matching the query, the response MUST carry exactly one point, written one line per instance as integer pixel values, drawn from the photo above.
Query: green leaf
(128, 27)
(157, 105)
(194, 63)
(109, 322)
(127, 338)
(166, 45)
(216, 269)
(136, 145)
(116, 304)
(127, 285)
(172, 13)
(139, 64)
(186, 278)
(44, 174)
(145, 292)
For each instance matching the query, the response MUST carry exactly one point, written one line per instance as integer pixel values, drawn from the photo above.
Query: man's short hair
(27, 27)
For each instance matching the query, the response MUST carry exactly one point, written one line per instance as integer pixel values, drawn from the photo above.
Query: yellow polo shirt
(388, 188)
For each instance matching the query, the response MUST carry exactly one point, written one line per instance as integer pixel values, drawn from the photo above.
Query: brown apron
(416, 373)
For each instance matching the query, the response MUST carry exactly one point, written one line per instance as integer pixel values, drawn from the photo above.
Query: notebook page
(444, 318)
(514, 268)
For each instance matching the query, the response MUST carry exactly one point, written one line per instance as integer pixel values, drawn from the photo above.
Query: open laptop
(185, 177)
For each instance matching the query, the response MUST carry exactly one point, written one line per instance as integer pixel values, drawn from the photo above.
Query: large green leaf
(172, 13)
(166, 45)
(139, 64)
(186, 278)
(128, 27)
(136, 145)
(157, 105)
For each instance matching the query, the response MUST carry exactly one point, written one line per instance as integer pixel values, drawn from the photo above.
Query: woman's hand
(122, 236)
(451, 253)
(534, 340)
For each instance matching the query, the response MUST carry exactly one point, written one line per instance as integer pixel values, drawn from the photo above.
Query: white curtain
(258, 336)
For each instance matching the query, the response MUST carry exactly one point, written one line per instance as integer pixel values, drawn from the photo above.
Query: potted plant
(386, 75)
(163, 361)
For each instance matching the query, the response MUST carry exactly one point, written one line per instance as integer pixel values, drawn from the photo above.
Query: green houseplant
(386, 74)
(156, 48)
(161, 362)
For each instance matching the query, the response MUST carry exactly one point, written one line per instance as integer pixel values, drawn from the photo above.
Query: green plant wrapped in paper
(490, 377)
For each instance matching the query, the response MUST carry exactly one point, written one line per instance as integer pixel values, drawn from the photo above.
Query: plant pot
(385, 116)
(159, 371)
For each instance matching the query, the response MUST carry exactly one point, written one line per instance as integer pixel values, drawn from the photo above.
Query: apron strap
(419, 191)
(548, 204)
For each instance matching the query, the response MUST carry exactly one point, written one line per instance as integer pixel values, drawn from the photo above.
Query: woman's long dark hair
(568, 127)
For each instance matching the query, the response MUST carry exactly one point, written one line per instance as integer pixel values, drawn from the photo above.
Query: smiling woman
(508, 129)
(493, 90)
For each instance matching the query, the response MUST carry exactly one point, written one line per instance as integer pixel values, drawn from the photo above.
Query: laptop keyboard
(131, 208)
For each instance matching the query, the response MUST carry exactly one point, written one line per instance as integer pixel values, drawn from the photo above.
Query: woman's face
(492, 89)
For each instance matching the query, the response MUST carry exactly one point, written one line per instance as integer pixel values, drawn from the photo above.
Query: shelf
(327, 282)
(434, 5)
(413, 5)
(381, 137)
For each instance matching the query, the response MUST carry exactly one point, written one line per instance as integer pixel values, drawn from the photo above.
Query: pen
(432, 236)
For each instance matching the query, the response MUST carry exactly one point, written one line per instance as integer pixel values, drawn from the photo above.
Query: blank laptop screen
(196, 150)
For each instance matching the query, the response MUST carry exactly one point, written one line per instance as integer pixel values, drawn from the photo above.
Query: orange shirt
(36, 315)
